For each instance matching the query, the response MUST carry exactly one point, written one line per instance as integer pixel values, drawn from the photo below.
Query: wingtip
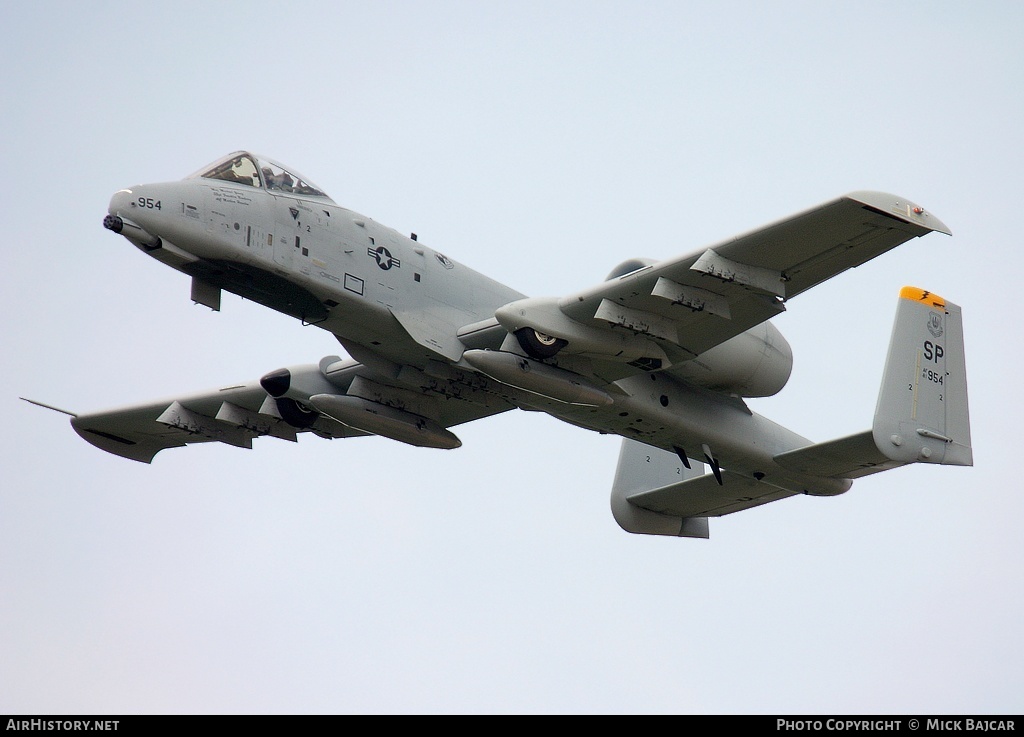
(900, 208)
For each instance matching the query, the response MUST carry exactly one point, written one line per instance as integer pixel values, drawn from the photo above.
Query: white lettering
(799, 725)
(51, 725)
(986, 725)
(866, 725)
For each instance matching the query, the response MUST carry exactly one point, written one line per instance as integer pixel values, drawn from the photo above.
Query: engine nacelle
(756, 363)
(292, 387)
(628, 267)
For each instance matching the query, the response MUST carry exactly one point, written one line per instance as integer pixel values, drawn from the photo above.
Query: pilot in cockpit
(282, 181)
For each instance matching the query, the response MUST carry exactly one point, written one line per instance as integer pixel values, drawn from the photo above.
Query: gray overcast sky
(540, 143)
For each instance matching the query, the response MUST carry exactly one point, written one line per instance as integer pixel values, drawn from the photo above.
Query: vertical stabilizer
(642, 468)
(922, 414)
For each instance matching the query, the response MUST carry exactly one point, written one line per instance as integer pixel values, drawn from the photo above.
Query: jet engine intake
(294, 414)
(298, 382)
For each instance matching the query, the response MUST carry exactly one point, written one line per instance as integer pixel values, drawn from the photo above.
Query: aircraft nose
(115, 220)
(118, 204)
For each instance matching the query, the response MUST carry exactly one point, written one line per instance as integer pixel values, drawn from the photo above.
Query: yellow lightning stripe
(923, 295)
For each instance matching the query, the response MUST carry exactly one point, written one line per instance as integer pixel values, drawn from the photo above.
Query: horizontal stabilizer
(703, 496)
(847, 458)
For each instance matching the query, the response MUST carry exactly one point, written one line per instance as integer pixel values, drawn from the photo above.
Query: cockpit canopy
(251, 170)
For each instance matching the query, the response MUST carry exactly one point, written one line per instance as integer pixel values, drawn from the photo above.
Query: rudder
(641, 468)
(922, 412)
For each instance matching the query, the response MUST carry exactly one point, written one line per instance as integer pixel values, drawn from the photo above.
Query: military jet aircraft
(661, 353)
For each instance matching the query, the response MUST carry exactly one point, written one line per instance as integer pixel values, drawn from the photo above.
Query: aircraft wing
(233, 415)
(335, 399)
(684, 306)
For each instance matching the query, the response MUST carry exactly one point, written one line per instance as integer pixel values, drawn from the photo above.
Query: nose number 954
(148, 203)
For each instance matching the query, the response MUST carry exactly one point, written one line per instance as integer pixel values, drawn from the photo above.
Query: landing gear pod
(537, 344)
(390, 422)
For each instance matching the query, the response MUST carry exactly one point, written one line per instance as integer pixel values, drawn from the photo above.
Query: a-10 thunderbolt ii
(661, 353)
